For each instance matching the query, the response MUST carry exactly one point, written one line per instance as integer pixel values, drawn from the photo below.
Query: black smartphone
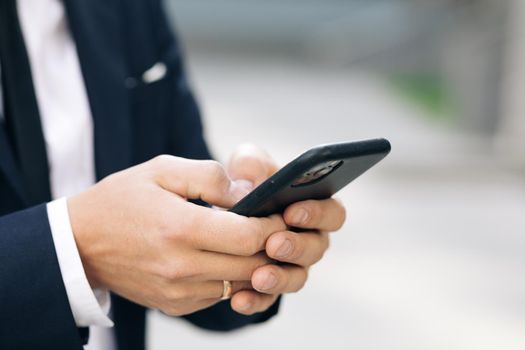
(316, 174)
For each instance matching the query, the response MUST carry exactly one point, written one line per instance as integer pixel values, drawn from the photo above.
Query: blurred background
(433, 254)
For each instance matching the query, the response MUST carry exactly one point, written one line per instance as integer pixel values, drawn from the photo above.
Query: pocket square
(155, 73)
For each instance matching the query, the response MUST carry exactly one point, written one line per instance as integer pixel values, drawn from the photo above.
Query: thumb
(252, 163)
(206, 180)
(240, 188)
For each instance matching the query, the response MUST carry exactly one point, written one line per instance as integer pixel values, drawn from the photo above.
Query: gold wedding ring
(226, 290)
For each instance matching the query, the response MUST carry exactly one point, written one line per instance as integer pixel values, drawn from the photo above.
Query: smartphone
(316, 174)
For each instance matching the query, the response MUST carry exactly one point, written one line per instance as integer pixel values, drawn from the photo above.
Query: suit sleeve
(35, 311)
(189, 142)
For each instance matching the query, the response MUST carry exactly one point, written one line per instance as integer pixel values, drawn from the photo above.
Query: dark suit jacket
(117, 40)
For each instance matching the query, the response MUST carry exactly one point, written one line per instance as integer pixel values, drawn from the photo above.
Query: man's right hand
(139, 236)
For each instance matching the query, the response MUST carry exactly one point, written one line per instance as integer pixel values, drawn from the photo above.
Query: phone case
(316, 174)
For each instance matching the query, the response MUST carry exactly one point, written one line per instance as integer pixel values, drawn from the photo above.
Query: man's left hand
(298, 251)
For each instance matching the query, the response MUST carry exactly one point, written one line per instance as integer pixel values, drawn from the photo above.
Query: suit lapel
(97, 30)
(96, 26)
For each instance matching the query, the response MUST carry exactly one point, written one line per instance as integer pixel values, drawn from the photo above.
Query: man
(95, 91)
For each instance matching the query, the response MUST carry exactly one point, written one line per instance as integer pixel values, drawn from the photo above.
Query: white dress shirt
(68, 132)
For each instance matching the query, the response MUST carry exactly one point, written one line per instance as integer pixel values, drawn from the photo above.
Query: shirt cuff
(90, 307)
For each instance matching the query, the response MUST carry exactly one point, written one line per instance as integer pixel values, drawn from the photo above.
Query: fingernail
(246, 306)
(269, 282)
(300, 216)
(284, 249)
(241, 188)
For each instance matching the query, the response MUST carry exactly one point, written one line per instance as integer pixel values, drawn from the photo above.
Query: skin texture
(138, 235)
(298, 250)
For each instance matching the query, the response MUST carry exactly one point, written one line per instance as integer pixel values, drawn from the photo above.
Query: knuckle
(215, 171)
(316, 212)
(166, 228)
(182, 270)
(250, 239)
(250, 246)
(179, 294)
(160, 160)
(259, 230)
(172, 273)
(244, 243)
(172, 296)
(299, 248)
(190, 269)
(172, 233)
(171, 310)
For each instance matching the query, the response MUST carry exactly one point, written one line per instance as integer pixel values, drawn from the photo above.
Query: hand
(298, 251)
(138, 236)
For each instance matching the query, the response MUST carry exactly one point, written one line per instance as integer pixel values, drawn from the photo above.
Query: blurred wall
(511, 138)
(458, 43)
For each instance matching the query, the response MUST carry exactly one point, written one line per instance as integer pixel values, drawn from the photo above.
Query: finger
(304, 249)
(218, 267)
(213, 289)
(249, 302)
(252, 163)
(229, 233)
(197, 179)
(237, 286)
(323, 215)
(188, 308)
(273, 279)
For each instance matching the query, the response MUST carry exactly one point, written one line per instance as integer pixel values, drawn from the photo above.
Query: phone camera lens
(317, 173)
